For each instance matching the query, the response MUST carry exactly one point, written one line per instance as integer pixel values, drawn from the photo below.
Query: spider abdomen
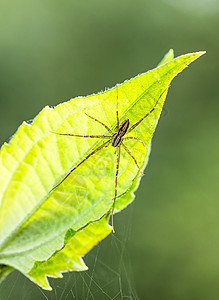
(117, 137)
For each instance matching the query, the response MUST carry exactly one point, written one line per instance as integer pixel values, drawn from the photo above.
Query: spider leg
(142, 119)
(132, 156)
(116, 183)
(84, 136)
(134, 138)
(81, 162)
(99, 122)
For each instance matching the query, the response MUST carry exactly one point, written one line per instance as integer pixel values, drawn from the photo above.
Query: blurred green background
(166, 244)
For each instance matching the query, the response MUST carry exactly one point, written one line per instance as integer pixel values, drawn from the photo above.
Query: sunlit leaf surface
(43, 230)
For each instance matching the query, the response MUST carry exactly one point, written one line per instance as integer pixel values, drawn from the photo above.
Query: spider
(116, 139)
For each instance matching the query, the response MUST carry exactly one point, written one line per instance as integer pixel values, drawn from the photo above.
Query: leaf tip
(167, 57)
(198, 53)
(171, 53)
(201, 52)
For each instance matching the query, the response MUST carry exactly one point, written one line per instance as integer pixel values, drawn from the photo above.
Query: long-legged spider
(116, 140)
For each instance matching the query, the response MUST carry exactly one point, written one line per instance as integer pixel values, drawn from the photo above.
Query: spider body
(117, 137)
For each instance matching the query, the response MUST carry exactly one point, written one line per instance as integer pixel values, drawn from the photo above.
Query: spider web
(109, 275)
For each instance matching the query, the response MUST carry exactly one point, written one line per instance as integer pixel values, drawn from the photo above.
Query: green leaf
(46, 230)
(167, 57)
(69, 257)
